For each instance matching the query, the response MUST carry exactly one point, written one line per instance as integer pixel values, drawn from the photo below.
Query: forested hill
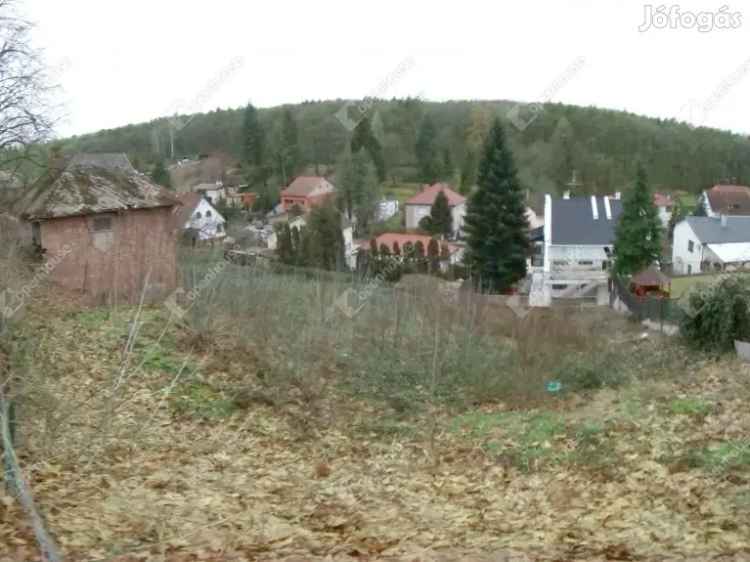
(602, 145)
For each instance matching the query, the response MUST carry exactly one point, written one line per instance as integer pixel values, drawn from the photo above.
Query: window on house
(560, 262)
(559, 287)
(102, 224)
(219, 228)
(691, 246)
(197, 215)
(690, 269)
(585, 262)
(208, 214)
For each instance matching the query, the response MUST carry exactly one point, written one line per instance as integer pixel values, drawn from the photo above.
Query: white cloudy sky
(130, 61)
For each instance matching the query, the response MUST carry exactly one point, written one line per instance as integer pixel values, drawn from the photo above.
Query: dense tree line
(411, 140)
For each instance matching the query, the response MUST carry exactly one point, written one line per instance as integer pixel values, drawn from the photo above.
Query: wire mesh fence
(659, 309)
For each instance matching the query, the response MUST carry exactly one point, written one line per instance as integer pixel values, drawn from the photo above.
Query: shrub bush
(718, 315)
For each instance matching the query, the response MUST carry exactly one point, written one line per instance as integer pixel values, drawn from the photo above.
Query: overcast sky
(126, 62)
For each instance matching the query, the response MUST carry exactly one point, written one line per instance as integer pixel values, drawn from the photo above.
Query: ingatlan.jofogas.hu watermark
(673, 17)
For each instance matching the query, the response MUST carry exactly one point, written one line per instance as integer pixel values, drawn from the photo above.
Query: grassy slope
(658, 467)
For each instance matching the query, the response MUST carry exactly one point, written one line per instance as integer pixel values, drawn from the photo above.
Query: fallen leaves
(250, 486)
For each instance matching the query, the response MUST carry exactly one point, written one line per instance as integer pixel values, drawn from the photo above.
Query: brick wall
(112, 265)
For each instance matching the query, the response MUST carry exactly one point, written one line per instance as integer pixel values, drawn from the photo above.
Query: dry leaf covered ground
(162, 459)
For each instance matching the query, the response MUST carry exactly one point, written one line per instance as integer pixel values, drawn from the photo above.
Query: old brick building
(107, 229)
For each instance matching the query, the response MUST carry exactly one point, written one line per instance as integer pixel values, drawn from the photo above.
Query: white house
(711, 244)
(419, 206)
(198, 215)
(214, 192)
(386, 209)
(579, 233)
(664, 205)
(731, 200)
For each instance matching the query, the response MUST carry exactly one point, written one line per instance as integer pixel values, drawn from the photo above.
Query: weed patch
(202, 401)
(690, 407)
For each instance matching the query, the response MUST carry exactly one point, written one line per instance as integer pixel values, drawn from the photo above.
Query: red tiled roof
(428, 194)
(730, 199)
(650, 277)
(390, 238)
(662, 200)
(302, 186)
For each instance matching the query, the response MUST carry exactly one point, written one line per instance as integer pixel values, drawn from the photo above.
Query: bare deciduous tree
(25, 88)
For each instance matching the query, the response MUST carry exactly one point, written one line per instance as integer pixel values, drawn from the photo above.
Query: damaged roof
(90, 184)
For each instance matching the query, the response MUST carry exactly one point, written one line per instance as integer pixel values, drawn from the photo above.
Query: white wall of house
(207, 221)
(215, 195)
(687, 250)
(415, 213)
(664, 213)
(386, 209)
(535, 221)
(458, 212)
(578, 259)
(350, 251)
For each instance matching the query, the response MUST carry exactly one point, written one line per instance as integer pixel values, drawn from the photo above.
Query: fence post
(661, 315)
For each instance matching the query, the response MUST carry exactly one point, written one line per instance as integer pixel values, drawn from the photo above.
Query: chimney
(618, 195)
(566, 194)
(723, 221)
(607, 208)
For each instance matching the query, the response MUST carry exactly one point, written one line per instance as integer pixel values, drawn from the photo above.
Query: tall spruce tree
(358, 188)
(289, 153)
(440, 219)
(326, 248)
(426, 151)
(638, 235)
(364, 138)
(253, 137)
(495, 220)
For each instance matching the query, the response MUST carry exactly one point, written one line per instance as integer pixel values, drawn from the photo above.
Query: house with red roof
(306, 192)
(731, 200)
(664, 204)
(418, 207)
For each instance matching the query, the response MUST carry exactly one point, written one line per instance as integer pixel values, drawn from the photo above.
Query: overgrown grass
(203, 401)
(412, 348)
(721, 457)
(531, 440)
(690, 407)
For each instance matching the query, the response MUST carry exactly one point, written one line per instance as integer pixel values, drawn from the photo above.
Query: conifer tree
(426, 151)
(433, 254)
(326, 249)
(364, 138)
(638, 235)
(496, 222)
(284, 245)
(161, 175)
(253, 137)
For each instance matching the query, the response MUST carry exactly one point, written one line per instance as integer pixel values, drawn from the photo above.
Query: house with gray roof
(703, 244)
(579, 234)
